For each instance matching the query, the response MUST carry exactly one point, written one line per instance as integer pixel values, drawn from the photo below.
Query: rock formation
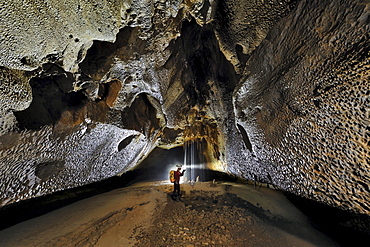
(277, 91)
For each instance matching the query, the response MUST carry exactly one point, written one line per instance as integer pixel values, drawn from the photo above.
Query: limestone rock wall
(278, 91)
(306, 91)
(65, 114)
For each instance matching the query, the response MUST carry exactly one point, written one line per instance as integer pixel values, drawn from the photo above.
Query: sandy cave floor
(144, 214)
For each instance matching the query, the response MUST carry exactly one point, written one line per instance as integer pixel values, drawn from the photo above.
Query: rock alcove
(275, 91)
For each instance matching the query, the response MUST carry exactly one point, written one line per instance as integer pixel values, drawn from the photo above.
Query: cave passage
(155, 169)
(160, 162)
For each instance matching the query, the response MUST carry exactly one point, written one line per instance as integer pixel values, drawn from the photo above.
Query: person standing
(176, 183)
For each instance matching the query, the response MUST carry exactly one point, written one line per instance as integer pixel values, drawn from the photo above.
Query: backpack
(172, 176)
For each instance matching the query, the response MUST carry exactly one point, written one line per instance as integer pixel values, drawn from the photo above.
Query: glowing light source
(195, 168)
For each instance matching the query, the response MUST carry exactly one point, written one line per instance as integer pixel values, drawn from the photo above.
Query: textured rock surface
(277, 91)
(306, 90)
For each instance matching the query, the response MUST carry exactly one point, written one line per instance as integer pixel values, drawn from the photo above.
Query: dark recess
(125, 142)
(246, 140)
(198, 48)
(46, 170)
(346, 228)
(141, 115)
(243, 58)
(98, 59)
(50, 99)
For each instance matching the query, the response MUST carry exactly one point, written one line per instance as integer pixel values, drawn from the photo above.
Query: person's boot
(174, 195)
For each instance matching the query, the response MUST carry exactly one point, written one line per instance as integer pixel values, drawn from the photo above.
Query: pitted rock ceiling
(277, 90)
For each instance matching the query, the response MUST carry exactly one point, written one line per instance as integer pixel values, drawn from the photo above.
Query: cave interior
(268, 93)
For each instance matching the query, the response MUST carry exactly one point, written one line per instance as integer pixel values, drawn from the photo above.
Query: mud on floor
(209, 218)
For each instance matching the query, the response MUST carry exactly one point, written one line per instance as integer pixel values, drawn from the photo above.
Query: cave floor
(144, 214)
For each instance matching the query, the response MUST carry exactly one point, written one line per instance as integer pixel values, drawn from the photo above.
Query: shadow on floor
(346, 228)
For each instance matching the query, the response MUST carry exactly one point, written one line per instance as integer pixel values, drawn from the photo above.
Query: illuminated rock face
(277, 90)
(306, 90)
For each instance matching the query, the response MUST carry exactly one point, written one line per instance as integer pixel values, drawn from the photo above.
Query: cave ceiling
(277, 91)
